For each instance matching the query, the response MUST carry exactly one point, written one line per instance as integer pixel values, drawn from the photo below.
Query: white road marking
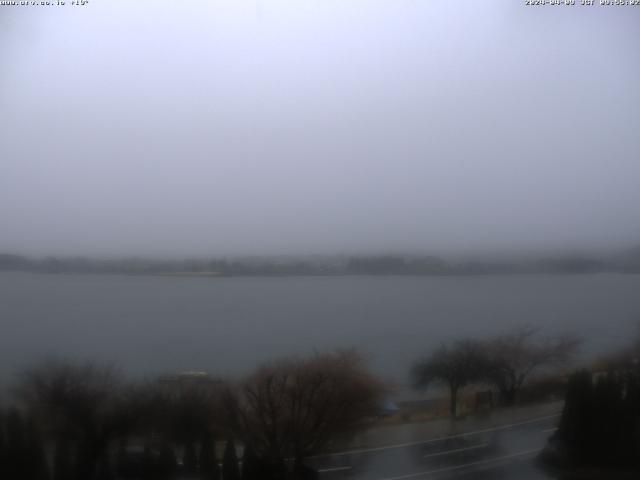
(550, 430)
(456, 450)
(465, 465)
(433, 440)
(335, 469)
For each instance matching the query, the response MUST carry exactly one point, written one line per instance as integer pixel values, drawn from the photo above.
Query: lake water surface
(227, 325)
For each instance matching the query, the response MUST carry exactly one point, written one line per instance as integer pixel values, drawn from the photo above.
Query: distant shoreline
(369, 265)
(217, 275)
(189, 274)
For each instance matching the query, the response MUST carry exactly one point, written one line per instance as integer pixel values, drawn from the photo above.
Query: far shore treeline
(624, 262)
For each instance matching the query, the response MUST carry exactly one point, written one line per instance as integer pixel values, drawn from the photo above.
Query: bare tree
(514, 356)
(298, 406)
(456, 366)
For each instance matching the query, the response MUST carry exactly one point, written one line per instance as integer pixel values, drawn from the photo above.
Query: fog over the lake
(324, 126)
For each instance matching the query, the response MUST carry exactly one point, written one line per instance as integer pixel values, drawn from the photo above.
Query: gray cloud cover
(229, 127)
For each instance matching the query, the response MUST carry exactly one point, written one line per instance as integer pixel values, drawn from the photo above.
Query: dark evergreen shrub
(62, 460)
(190, 459)
(230, 468)
(600, 423)
(209, 469)
(167, 465)
(251, 465)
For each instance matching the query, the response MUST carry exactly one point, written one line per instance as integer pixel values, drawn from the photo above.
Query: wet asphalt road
(504, 452)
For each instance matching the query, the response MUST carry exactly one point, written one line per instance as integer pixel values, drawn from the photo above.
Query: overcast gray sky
(325, 126)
